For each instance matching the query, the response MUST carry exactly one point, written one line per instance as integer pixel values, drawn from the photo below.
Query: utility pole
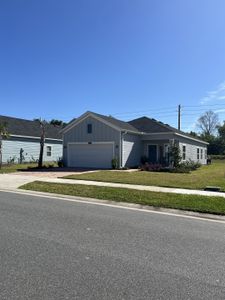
(179, 116)
(42, 142)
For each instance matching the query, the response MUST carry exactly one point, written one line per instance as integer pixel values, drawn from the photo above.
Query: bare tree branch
(208, 123)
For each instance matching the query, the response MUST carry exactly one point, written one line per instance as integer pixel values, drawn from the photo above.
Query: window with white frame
(184, 152)
(49, 151)
(201, 153)
(197, 153)
(166, 152)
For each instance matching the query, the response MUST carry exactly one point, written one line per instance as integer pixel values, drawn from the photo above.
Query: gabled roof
(21, 127)
(148, 125)
(143, 125)
(115, 123)
(118, 123)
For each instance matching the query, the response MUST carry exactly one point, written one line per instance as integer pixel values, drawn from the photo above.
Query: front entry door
(152, 153)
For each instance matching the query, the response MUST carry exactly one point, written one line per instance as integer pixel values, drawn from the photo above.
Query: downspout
(121, 147)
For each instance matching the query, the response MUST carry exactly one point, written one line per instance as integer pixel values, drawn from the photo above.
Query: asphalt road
(54, 249)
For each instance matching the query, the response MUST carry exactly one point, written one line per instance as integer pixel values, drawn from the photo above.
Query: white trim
(34, 137)
(176, 133)
(88, 143)
(191, 138)
(158, 133)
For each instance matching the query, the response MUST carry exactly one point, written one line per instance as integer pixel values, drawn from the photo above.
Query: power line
(203, 105)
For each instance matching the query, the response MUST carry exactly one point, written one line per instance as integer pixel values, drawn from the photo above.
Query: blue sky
(125, 58)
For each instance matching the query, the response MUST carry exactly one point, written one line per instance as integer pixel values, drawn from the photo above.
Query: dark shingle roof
(148, 125)
(121, 124)
(23, 127)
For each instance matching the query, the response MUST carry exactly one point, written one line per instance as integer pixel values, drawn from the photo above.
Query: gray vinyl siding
(100, 133)
(191, 146)
(11, 149)
(131, 150)
(191, 150)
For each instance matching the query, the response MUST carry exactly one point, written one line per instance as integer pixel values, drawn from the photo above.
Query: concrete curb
(131, 206)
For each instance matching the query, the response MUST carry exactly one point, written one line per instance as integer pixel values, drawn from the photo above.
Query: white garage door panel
(90, 155)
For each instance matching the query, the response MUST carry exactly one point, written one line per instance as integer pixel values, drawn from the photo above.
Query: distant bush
(217, 156)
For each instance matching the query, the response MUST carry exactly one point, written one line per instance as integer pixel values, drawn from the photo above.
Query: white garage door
(97, 155)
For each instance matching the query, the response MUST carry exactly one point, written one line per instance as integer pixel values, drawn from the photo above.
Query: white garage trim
(89, 143)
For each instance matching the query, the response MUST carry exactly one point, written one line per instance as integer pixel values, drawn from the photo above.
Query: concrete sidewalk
(13, 181)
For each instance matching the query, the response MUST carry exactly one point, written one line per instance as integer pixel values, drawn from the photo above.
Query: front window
(49, 151)
(197, 153)
(201, 153)
(184, 152)
(89, 128)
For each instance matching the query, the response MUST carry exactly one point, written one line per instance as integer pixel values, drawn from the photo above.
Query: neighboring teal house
(24, 141)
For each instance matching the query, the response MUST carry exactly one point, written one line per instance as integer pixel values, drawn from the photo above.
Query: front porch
(157, 151)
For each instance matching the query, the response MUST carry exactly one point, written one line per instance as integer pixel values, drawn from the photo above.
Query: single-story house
(23, 143)
(93, 140)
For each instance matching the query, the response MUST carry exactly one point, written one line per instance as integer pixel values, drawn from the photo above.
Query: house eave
(90, 114)
(33, 137)
(191, 138)
(176, 134)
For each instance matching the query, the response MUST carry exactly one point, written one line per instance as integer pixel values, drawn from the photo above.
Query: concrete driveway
(13, 180)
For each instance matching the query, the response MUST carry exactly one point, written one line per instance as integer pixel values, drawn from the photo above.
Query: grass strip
(213, 175)
(203, 204)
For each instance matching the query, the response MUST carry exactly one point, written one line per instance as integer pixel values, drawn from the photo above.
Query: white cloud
(220, 110)
(217, 95)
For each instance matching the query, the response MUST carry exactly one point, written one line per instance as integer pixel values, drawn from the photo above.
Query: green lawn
(213, 175)
(15, 167)
(19, 167)
(204, 204)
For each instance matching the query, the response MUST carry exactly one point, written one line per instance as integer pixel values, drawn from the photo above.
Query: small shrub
(50, 166)
(60, 163)
(186, 167)
(33, 160)
(115, 163)
(11, 160)
(144, 159)
(180, 169)
(152, 167)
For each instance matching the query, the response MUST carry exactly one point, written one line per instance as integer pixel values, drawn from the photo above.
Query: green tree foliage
(57, 122)
(194, 134)
(175, 156)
